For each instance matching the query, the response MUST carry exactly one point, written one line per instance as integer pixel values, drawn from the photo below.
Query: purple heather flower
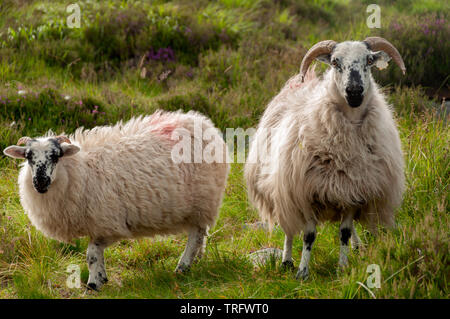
(163, 54)
(396, 26)
(439, 21)
(425, 29)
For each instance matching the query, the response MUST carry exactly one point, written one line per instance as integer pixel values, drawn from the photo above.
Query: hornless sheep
(335, 152)
(118, 182)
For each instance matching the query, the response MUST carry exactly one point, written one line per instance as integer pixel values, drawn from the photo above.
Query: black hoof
(92, 286)
(288, 265)
(102, 278)
(182, 269)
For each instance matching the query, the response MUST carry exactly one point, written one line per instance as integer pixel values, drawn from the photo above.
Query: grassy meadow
(226, 59)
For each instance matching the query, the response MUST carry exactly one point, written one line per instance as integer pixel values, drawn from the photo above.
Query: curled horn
(378, 43)
(23, 140)
(322, 47)
(63, 139)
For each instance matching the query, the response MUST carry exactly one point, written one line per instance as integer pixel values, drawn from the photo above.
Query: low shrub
(423, 43)
(33, 114)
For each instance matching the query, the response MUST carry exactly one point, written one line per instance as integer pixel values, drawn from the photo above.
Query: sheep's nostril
(359, 90)
(354, 95)
(41, 184)
(354, 90)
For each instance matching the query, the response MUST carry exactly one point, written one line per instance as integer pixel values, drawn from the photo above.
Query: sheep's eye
(28, 155)
(369, 60)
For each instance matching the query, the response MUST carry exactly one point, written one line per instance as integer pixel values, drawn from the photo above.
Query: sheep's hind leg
(287, 252)
(194, 244)
(309, 236)
(345, 233)
(96, 264)
(201, 249)
(354, 239)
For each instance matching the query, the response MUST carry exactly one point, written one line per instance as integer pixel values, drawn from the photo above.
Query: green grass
(231, 58)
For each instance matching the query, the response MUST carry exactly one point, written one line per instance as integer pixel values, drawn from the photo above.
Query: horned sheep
(118, 182)
(335, 151)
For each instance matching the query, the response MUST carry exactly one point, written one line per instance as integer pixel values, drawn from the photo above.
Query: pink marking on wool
(165, 129)
(164, 125)
(309, 77)
(296, 85)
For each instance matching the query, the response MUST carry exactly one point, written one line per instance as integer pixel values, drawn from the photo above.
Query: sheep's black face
(352, 62)
(42, 158)
(42, 155)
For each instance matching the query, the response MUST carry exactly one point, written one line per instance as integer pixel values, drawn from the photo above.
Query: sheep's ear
(69, 149)
(325, 58)
(381, 59)
(15, 151)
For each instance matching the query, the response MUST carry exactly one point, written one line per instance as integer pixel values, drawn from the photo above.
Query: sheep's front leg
(287, 252)
(309, 236)
(96, 264)
(345, 233)
(194, 245)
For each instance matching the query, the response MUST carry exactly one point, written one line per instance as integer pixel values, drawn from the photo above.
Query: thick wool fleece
(124, 184)
(323, 165)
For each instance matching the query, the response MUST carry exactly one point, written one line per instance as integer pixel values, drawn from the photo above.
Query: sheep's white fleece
(323, 164)
(124, 184)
